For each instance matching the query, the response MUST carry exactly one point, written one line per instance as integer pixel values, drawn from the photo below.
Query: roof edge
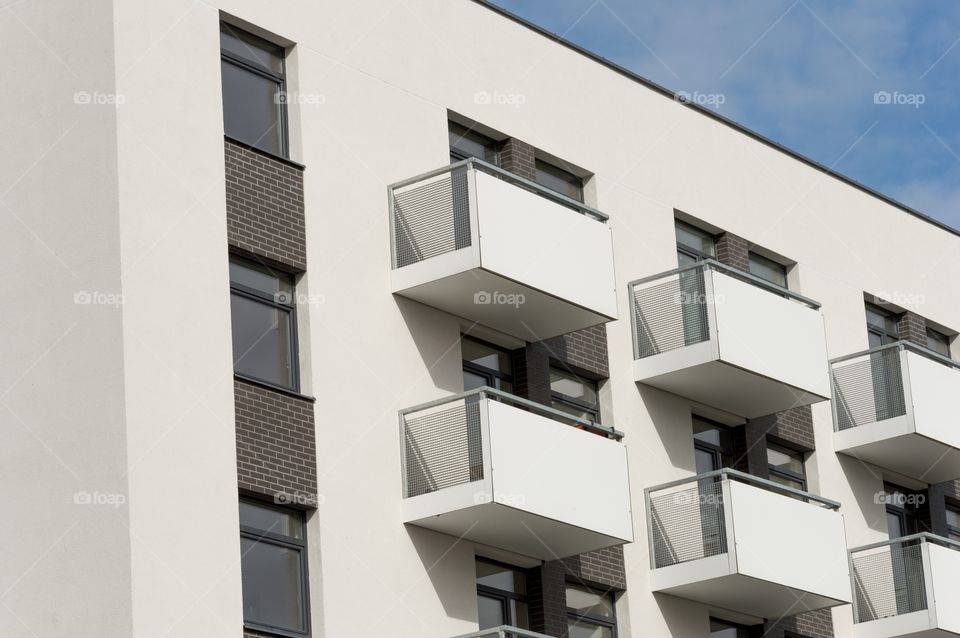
(650, 84)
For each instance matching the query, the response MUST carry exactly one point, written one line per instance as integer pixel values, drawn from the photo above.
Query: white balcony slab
(529, 266)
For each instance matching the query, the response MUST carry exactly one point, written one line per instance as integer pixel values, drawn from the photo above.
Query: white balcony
(742, 544)
(895, 407)
(726, 339)
(506, 472)
(486, 245)
(907, 588)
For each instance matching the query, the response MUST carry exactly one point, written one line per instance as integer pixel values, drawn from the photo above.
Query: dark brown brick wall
(265, 215)
(602, 569)
(546, 589)
(584, 349)
(519, 158)
(733, 251)
(813, 624)
(794, 427)
(276, 444)
(912, 327)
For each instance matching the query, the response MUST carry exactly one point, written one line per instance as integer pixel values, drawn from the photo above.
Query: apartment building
(332, 319)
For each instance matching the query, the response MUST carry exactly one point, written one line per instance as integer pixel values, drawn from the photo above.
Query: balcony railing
(434, 218)
(504, 631)
(690, 523)
(728, 339)
(442, 438)
(893, 406)
(907, 586)
(673, 312)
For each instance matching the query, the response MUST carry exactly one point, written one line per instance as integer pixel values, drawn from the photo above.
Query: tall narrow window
(590, 614)
(254, 84)
(273, 565)
(786, 467)
(768, 270)
(881, 326)
(485, 365)
(953, 522)
(574, 395)
(501, 595)
(713, 445)
(263, 317)
(693, 244)
(559, 180)
(938, 342)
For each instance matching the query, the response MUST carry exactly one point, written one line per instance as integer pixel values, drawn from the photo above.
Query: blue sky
(804, 73)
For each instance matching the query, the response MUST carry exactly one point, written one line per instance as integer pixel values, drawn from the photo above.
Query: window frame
(788, 474)
(770, 263)
(489, 373)
(595, 619)
(935, 335)
(560, 397)
(883, 333)
(503, 595)
(724, 457)
(689, 251)
(267, 300)
(281, 540)
(456, 155)
(951, 530)
(560, 173)
(263, 71)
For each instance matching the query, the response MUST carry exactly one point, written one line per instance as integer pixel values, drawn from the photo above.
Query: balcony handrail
(506, 397)
(487, 167)
(743, 477)
(713, 264)
(502, 631)
(901, 345)
(923, 537)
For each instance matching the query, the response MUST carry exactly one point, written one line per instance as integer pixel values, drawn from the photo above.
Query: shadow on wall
(436, 336)
(866, 483)
(683, 617)
(450, 564)
(671, 419)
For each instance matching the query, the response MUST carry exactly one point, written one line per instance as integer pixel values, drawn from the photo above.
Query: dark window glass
(713, 445)
(938, 342)
(559, 180)
(786, 467)
(693, 244)
(501, 595)
(904, 509)
(485, 365)
(273, 568)
(263, 317)
(768, 270)
(722, 629)
(881, 326)
(466, 143)
(590, 614)
(574, 395)
(253, 84)
(953, 522)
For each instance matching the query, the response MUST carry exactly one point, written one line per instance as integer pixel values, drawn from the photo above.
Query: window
(466, 143)
(786, 467)
(768, 270)
(693, 244)
(253, 84)
(590, 614)
(903, 510)
(713, 445)
(264, 319)
(273, 567)
(559, 180)
(723, 629)
(938, 342)
(485, 365)
(953, 522)
(574, 395)
(501, 595)
(881, 326)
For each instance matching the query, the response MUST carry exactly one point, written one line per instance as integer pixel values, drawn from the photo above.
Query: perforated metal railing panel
(889, 582)
(442, 448)
(670, 314)
(869, 389)
(688, 524)
(431, 219)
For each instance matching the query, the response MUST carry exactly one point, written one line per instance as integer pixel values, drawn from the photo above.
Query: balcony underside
(513, 308)
(894, 445)
(736, 592)
(517, 531)
(721, 385)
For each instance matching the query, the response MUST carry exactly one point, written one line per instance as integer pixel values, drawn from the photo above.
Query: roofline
(650, 84)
